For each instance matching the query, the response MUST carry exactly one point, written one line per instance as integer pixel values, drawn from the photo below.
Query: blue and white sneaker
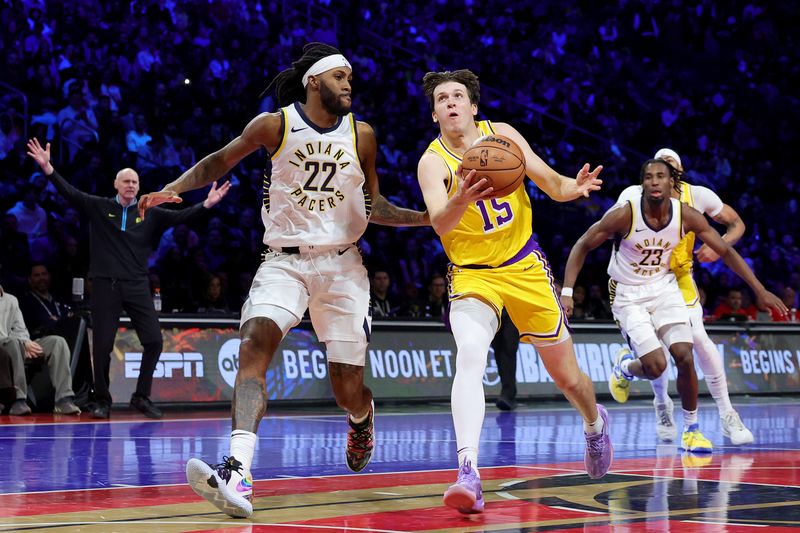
(619, 384)
(224, 485)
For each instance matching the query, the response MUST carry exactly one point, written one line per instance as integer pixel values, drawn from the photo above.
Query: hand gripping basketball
(499, 160)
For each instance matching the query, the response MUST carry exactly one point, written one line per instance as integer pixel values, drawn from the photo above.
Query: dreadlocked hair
(673, 172)
(288, 84)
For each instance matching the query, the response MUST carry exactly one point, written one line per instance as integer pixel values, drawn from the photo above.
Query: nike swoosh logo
(341, 252)
(111, 215)
(295, 130)
(638, 230)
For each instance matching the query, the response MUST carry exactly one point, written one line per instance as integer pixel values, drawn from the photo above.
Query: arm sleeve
(706, 201)
(78, 198)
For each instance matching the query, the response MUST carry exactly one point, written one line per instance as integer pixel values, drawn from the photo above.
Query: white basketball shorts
(642, 310)
(331, 282)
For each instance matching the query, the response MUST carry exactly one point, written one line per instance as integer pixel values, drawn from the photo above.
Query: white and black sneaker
(224, 485)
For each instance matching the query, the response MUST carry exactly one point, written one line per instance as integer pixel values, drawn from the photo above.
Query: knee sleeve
(347, 352)
(675, 333)
(474, 325)
(284, 319)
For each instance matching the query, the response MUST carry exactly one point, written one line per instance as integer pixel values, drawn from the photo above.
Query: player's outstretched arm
(559, 188)
(264, 130)
(734, 229)
(383, 211)
(694, 221)
(617, 220)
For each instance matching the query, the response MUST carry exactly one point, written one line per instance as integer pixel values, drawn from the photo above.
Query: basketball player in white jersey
(707, 202)
(646, 300)
(321, 193)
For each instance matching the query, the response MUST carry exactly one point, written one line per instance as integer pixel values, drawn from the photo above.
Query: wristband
(566, 291)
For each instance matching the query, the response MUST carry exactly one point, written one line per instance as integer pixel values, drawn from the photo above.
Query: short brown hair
(467, 78)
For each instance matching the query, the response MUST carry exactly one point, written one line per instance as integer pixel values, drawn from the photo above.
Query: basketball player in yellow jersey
(496, 264)
(707, 202)
(321, 193)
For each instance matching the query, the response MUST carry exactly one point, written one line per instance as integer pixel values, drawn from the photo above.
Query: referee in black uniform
(120, 244)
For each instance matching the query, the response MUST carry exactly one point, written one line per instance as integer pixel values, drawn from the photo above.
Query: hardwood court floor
(63, 474)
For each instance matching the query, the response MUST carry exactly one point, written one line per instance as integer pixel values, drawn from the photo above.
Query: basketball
(499, 160)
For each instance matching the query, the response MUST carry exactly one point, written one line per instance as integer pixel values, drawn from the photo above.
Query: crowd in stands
(157, 84)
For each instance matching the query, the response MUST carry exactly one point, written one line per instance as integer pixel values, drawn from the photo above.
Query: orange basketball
(499, 160)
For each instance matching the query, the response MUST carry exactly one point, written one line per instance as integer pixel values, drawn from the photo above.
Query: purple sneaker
(465, 495)
(599, 452)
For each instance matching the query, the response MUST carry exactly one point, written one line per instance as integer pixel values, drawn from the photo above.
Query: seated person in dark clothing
(51, 350)
(213, 300)
(380, 295)
(41, 310)
(44, 315)
(436, 303)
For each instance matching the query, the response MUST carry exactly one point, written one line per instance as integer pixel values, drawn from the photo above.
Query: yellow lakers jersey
(491, 231)
(681, 261)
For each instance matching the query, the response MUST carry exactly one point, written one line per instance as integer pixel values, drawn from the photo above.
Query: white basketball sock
(474, 324)
(595, 427)
(689, 418)
(243, 446)
(469, 454)
(710, 362)
(660, 387)
(624, 367)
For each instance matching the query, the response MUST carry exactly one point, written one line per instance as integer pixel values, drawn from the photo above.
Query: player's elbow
(440, 228)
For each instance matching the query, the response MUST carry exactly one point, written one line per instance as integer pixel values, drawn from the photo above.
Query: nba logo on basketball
(484, 160)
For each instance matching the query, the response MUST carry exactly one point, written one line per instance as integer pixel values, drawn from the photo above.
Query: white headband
(669, 152)
(325, 64)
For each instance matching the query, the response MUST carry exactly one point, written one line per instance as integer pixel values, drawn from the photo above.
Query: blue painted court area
(41, 456)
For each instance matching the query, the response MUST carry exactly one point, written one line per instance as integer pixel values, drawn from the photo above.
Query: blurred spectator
(77, 122)
(31, 218)
(213, 300)
(380, 294)
(732, 308)
(436, 303)
(579, 311)
(138, 137)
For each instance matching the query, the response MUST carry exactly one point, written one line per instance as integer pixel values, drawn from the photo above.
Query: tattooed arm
(264, 130)
(387, 214)
(383, 212)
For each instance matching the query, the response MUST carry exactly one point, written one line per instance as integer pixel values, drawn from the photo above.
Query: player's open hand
(587, 180)
(567, 304)
(470, 188)
(146, 201)
(771, 301)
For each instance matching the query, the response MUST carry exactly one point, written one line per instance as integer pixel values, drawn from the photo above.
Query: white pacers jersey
(643, 255)
(315, 195)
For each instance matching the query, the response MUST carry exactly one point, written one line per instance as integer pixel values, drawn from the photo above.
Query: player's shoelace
(225, 468)
(595, 445)
(360, 437)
